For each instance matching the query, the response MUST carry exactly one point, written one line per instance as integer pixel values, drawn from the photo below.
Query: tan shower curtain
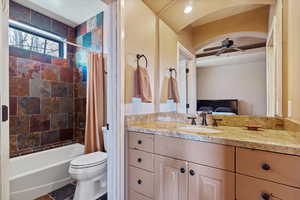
(95, 112)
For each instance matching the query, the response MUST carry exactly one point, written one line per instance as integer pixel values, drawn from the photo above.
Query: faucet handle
(193, 120)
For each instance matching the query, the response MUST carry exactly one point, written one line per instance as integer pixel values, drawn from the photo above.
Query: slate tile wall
(90, 35)
(42, 90)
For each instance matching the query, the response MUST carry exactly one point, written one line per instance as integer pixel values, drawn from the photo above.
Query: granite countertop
(280, 141)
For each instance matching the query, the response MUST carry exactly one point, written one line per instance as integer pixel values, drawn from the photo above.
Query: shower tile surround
(47, 94)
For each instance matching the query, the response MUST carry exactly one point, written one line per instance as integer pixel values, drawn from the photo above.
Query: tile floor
(64, 193)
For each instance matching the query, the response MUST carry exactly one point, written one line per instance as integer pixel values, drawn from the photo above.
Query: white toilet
(90, 172)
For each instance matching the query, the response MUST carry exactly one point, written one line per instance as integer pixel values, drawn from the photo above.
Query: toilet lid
(89, 160)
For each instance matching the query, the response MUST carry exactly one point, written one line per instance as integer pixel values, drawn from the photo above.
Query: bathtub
(37, 174)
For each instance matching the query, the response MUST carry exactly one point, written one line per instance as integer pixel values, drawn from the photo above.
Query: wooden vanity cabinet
(171, 179)
(210, 183)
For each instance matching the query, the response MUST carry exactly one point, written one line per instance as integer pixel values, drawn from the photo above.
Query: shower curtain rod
(77, 45)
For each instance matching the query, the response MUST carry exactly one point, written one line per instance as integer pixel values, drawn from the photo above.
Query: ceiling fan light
(188, 9)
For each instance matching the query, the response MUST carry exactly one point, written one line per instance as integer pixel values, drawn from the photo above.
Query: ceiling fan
(227, 45)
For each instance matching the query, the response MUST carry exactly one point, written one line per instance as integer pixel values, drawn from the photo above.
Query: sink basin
(199, 129)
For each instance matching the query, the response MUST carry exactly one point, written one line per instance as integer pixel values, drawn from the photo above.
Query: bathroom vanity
(166, 162)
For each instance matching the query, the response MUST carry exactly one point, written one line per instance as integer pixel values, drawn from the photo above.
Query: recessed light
(188, 9)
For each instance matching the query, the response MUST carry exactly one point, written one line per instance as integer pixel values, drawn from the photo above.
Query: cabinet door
(171, 179)
(210, 183)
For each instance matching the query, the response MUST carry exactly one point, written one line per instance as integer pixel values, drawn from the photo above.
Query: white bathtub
(37, 174)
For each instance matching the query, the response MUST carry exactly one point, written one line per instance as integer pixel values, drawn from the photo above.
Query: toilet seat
(89, 160)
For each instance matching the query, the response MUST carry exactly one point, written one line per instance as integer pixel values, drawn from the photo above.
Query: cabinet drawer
(141, 181)
(136, 196)
(141, 159)
(141, 141)
(214, 155)
(275, 167)
(248, 188)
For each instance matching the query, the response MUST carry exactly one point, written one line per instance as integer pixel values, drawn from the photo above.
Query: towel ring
(139, 56)
(171, 72)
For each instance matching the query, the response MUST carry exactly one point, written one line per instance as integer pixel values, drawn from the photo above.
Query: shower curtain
(95, 112)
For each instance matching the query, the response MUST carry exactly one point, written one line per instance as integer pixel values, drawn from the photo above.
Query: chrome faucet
(193, 120)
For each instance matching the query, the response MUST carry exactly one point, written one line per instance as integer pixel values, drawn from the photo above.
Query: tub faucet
(193, 120)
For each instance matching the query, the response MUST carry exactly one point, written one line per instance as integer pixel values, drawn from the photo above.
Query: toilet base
(90, 190)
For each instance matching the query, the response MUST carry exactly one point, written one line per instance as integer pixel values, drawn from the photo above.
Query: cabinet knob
(182, 170)
(192, 172)
(265, 196)
(265, 167)
(139, 181)
(139, 160)
(139, 142)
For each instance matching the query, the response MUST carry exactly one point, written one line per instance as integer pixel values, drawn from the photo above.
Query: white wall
(244, 81)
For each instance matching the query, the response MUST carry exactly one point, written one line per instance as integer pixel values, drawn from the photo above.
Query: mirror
(228, 59)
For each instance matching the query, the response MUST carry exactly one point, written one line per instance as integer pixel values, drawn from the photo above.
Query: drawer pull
(266, 167)
(139, 181)
(192, 172)
(139, 160)
(265, 196)
(182, 170)
(139, 142)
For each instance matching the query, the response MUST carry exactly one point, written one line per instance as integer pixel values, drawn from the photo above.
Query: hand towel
(173, 90)
(142, 85)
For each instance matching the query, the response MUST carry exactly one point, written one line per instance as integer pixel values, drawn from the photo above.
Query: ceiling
(227, 12)
(204, 11)
(253, 55)
(71, 12)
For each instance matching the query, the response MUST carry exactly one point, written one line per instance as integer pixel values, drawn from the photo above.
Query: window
(33, 39)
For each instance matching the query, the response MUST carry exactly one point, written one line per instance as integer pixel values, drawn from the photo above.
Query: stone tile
(80, 120)
(41, 21)
(80, 90)
(87, 40)
(18, 125)
(71, 120)
(13, 105)
(81, 30)
(92, 24)
(25, 141)
(66, 74)
(79, 135)
(66, 105)
(64, 192)
(18, 87)
(17, 52)
(50, 73)
(50, 137)
(39, 123)
(77, 75)
(45, 89)
(97, 39)
(13, 70)
(29, 68)
(59, 28)
(13, 144)
(49, 105)
(35, 87)
(28, 105)
(18, 12)
(100, 19)
(66, 134)
(60, 62)
(80, 105)
(62, 90)
(59, 121)
(40, 57)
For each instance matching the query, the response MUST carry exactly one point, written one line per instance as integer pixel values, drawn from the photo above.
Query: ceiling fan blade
(221, 51)
(212, 48)
(236, 48)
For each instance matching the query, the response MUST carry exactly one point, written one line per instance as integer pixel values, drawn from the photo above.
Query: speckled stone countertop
(280, 141)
